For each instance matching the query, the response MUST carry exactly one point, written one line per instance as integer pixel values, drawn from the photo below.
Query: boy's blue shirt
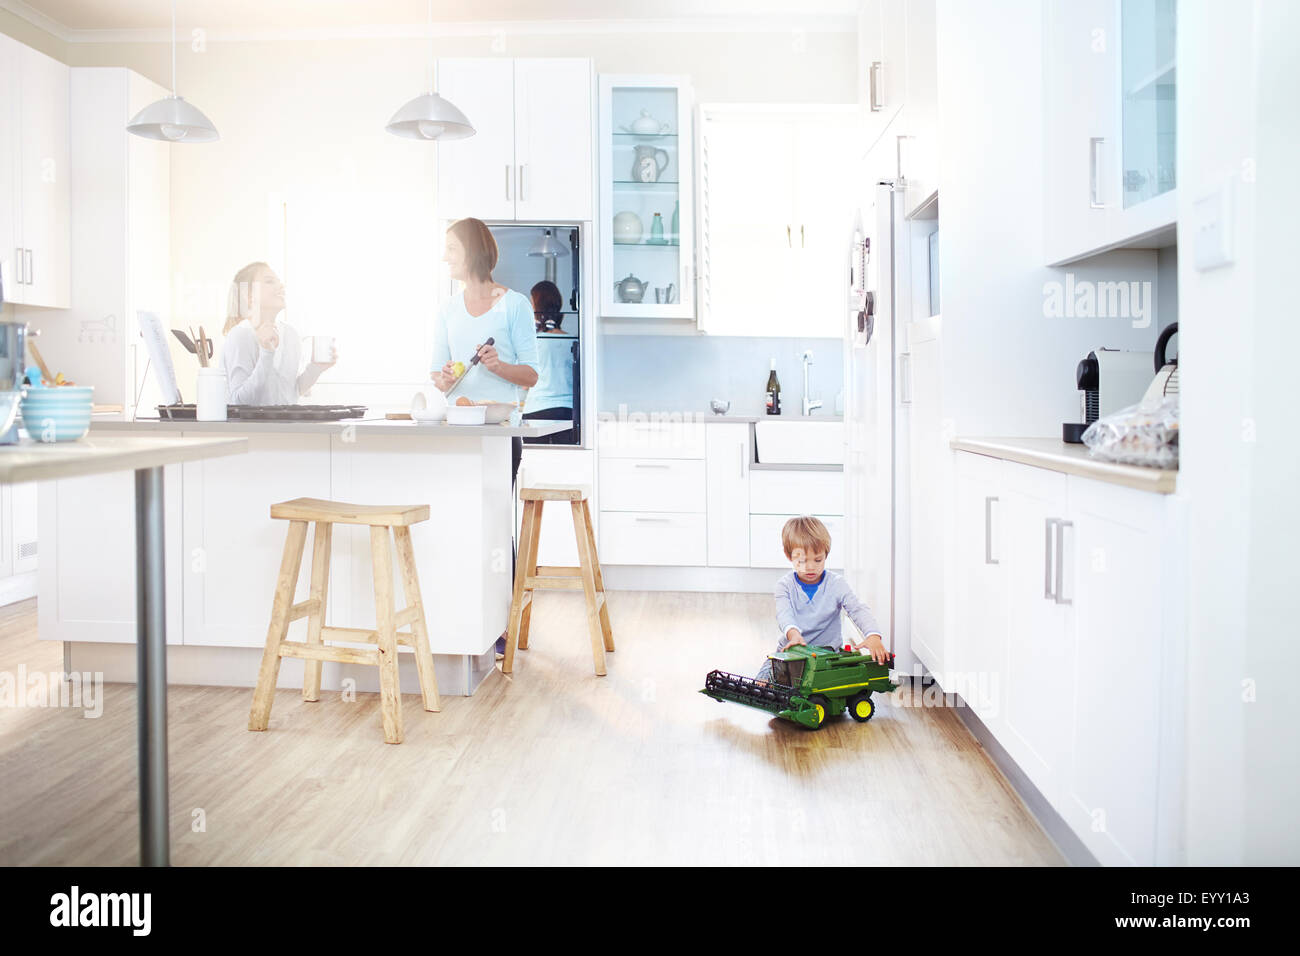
(810, 589)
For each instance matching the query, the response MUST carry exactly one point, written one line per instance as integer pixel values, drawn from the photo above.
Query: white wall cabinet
(35, 191)
(1110, 79)
(882, 64)
(120, 238)
(1060, 586)
(772, 182)
(530, 158)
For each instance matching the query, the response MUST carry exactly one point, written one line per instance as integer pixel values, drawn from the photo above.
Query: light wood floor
(551, 765)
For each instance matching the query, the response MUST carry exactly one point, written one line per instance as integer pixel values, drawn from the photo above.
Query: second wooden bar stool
(385, 636)
(586, 577)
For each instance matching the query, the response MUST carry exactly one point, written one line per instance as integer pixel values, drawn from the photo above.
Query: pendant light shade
(429, 116)
(548, 246)
(172, 120)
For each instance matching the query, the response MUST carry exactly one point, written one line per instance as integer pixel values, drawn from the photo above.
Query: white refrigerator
(877, 417)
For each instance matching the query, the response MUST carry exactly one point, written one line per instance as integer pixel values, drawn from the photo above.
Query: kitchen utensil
(46, 374)
(205, 348)
(646, 167)
(472, 362)
(646, 125)
(466, 414)
(57, 414)
(671, 295)
(628, 228)
(720, 406)
(630, 289)
(397, 416)
(661, 295)
(186, 341)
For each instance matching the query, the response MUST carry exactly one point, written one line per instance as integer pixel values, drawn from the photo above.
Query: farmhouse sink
(800, 442)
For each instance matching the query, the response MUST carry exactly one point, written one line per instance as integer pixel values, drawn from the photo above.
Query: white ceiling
(75, 16)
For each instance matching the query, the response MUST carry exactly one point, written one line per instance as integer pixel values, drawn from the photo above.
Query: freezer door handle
(905, 378)
(1094, 172)
(988, 529)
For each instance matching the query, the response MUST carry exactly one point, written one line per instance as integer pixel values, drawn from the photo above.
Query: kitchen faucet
(808, 404)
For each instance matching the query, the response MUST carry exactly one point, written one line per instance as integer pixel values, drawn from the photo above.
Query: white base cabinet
(1064, 645)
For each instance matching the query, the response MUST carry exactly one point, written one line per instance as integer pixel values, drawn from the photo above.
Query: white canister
(213, 395)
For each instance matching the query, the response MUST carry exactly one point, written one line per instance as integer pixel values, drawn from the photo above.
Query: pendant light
(429, 116)
(172, 120)
(552, 249)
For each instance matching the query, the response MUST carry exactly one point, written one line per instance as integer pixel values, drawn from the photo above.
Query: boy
(810, 598)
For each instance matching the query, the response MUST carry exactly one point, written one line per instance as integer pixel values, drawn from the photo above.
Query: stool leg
(530, 569)
(320, 584)
(585, 560)
(390, 694)
(264, 695)
(419, 628)
(605, 629)
(521, 573)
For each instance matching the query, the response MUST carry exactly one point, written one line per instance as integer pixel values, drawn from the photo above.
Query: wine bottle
(773, 391)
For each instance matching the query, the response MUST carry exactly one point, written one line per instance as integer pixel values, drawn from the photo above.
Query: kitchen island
(223, 550)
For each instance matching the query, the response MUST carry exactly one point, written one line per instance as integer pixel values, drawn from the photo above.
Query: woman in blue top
(482, 310)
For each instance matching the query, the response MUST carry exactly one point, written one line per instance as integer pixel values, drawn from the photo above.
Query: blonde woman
(262, 357)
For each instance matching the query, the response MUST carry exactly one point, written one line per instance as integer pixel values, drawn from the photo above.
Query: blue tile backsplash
(681, 373)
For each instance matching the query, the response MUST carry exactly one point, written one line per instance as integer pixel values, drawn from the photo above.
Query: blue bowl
(57, 414)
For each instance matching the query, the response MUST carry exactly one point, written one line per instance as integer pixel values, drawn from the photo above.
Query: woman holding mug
(484, 309)
(262, 357)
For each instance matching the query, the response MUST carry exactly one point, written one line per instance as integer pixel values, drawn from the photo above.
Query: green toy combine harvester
(809, 685)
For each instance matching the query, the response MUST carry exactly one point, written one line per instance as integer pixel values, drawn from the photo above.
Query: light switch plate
(1212, 227)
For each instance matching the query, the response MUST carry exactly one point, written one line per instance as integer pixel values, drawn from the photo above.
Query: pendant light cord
(174, 47)
(432, 52)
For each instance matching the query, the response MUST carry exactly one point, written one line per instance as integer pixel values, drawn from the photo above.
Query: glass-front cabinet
(1148, 83)
(646, 226)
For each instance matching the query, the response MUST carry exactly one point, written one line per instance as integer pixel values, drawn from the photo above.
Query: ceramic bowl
(58, 413)
(498, 411)
(466, 414)
(628, 228)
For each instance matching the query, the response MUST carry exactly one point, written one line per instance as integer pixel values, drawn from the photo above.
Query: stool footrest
(322, 652)
(359, 634)
(555, 582)
(559, 571)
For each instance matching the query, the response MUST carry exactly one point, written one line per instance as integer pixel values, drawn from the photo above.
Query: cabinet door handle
(1047, 562)
(788, 241)
(30, 273)
(1094, 173)
(874, 77)
(507, 182)
(905, 378)
(741, 448)
(521, 181)
(1061, 525)
(18, 265)
(801, 242)
(988, 529)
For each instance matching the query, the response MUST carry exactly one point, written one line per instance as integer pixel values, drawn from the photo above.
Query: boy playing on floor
(809, 599)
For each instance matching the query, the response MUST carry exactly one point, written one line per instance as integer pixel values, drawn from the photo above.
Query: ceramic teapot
(646, 125)
(646, 167)
(630, 289)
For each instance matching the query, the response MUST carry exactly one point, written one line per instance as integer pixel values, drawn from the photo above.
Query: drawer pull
(988, 530)
(645, 464)
(664, 520)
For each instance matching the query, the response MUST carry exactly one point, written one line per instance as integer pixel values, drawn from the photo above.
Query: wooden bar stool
(386, 635)
(530, 577)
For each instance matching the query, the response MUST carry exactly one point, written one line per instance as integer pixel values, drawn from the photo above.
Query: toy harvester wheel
(823, 708)
(861, 708)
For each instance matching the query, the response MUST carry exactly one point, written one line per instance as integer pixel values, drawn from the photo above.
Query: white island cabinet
(223, 551)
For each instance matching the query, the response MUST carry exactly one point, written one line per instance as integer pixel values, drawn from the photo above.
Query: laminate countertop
(370, 426)
(707, 416)
(1056, 455)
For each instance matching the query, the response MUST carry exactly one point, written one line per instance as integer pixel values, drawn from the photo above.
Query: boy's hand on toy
(797, 638)
(876, 647)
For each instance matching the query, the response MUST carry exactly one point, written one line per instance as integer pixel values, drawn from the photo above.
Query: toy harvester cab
(809, 685)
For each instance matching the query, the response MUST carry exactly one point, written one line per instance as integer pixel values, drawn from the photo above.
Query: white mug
(322, 348)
